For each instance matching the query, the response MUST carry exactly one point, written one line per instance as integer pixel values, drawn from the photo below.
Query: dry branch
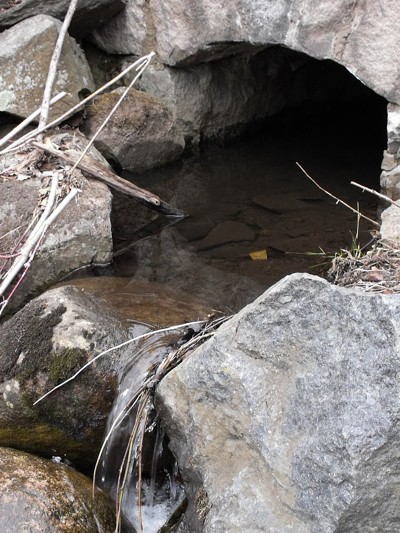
(110, 178)
(140, 69)
(29, 249)
(28, 120)
(337, 199)
(51, 76)
(378, 194)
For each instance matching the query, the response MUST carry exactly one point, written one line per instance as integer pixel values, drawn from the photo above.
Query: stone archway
(190, 36)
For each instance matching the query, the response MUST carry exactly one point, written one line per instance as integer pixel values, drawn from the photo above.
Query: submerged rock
(141, 134)
(42, 345)
(226, 232)
(288, 419)
(39, 495)
(25, 54)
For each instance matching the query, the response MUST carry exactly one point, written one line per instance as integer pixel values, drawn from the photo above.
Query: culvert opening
(248, 195)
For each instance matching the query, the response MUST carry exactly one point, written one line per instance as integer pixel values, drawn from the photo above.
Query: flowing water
(160, 492)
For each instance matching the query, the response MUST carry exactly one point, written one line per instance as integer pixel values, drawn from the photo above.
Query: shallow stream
(251, 196)
(252, 218)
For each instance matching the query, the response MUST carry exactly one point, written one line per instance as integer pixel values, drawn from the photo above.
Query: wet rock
(42, 345)
(25, 54)
(288, 419)
(38, 495)
(226, 232)
(88, 15)
(146, 302)
(79, 237)
(141, 134)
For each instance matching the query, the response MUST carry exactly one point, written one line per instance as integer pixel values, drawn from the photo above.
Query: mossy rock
(43, 345)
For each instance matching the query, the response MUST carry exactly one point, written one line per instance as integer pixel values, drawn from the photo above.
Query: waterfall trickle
(150, 473)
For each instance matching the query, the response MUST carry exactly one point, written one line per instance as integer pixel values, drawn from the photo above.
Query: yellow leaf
(259, 255)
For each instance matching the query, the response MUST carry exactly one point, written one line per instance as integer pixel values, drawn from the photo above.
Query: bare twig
(378, 194)
(109, 177)
(141, 68)
(26, 254)
(28, 120)
(53, 64)
(129, 341)
(32, 239)
(76, 107)
(335, 198)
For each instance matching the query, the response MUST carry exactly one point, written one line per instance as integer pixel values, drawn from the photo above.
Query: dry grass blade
(376, 271)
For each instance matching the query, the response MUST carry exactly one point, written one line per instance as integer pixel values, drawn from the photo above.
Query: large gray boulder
(88, 14)
(25, 54)
(288, 419)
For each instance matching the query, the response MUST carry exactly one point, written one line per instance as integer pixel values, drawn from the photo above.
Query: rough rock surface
(25, 54)
(41, 346)
(210, 98)
(390, 226)
(128, 32)
(141, 134)
(288, 419)
(79, 237)
(88, 15)
(38, 495)
(222, 97)
(365, 40)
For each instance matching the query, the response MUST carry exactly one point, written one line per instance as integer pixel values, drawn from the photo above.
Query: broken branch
(110, 178)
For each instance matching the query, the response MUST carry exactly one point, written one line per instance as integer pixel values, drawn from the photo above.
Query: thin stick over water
(337, 199)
